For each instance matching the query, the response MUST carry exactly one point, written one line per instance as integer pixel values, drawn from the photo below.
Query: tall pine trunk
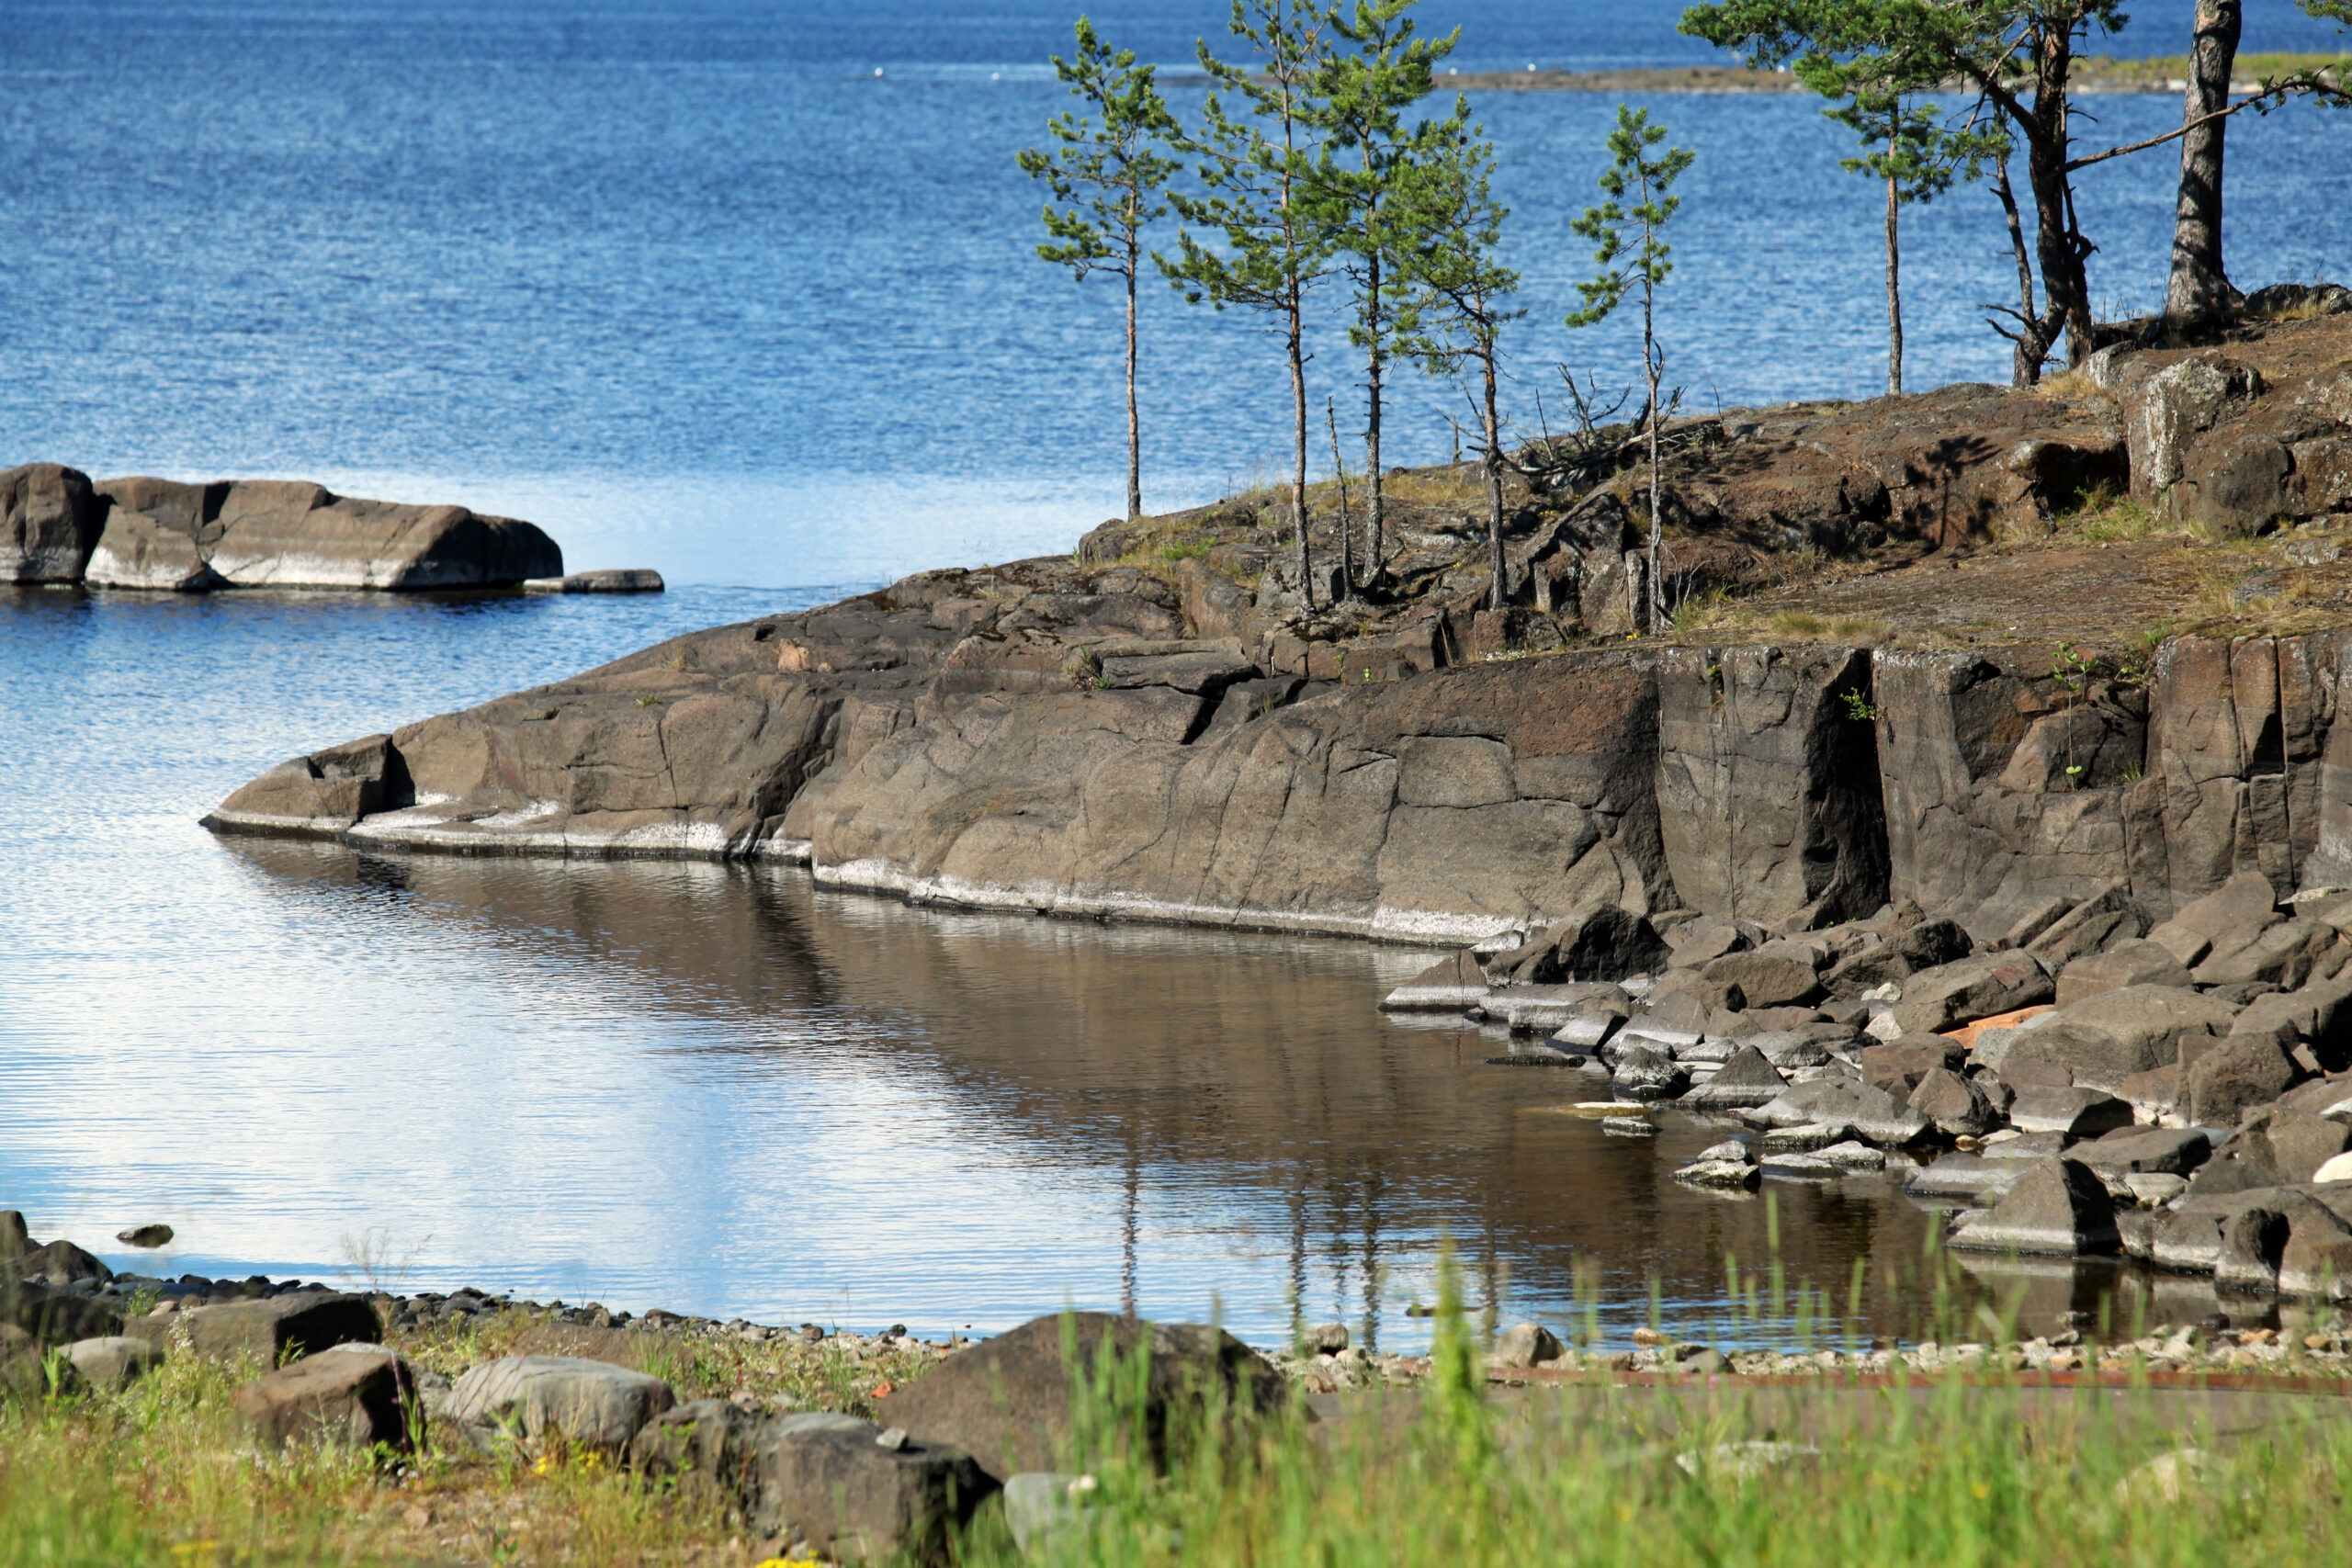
(1498, 583)
(1135, 427)
(2056, 247)
(2200, 287)
(1894, 299)
(1299, 474)
(2025, 361)
(1372, 427)
(1650, 369)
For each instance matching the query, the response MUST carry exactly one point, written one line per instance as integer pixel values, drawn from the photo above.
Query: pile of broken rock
(2085, 1085)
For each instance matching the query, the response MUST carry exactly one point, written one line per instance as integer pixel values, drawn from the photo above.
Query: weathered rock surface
(859, 1492)
(288, 533)
(592, 1404)
(351, 1397)
(272, 1331)
(50, 521)
(1006, 1401)
(2058, 1207)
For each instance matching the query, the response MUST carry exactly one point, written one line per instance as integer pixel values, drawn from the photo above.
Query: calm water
(694, 288)
(690, 285)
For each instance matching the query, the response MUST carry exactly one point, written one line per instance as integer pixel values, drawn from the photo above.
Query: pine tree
(1457, 299)
(1256, 172)
(1109, 169)
(1630, 251)
(1365, 90)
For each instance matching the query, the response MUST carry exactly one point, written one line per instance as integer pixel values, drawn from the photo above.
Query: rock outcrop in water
(1161, 740)
(156, 534)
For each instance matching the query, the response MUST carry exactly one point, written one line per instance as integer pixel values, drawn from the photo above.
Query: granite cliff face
(1007, 739)
(1162, 727)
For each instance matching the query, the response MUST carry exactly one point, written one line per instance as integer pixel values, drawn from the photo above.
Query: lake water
(694, 288)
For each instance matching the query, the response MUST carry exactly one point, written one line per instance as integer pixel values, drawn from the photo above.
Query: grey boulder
(592, 1404)
(2058, 1208)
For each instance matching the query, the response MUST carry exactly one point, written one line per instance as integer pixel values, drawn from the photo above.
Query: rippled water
(693, 286)
(687, 283)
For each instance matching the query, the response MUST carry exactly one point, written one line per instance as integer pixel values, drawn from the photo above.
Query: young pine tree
(1109, 168)
(1365, 89)
(1458, 299)
(1256, 173)
(1633, 254)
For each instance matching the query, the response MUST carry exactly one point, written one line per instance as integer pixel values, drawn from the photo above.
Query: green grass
(1452, 1474)
(1449, 1472)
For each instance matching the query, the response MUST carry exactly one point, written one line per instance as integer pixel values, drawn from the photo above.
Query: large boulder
(2224, 919)
(1603, 943)
(2244, 1072)
(113, 1362)
(53, 1316)
(289, 533)
(1776, 974)
(49, 520)
(1978, 987)
(857, 1492)
(272, 1331)
(358, 1397)
(590, 1404)
(1006, 1401)
(2110, 1036)
(1451, 984)
(1956, 1105)
(1841, 1101)
(2129, 964)
(2059, 1208)
(1745, 1079)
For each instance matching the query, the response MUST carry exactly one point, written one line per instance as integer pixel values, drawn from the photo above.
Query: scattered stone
(355, 1398)
(856, 1497)
(2059, 1207)
(1953, 1105)
(592, 1404)
(113, 1362)
(1448, 986)
(611, 580)
(1842, 1101)
(2014, 1146)
(1726, 1174)
(1590, 1028)
(1629, 1127)
(1978, 987)
(1773, 975)
(1746, 1081)
(1527, 1345)
(709, 1443)
(2133, 963)
(1850, 1156)
(2106, 1038)
(2228, 918)
(2129, 1151)
(2071, 1112)
(1328, 1339)
(1643, 1073)
(1802, 1140)
(272, 1331)
(1006, 1400)
(145, 1236)
(1800, 1167)
(2244, 1071)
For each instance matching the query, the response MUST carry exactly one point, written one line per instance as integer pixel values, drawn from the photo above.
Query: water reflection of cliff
(1238, 1075)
